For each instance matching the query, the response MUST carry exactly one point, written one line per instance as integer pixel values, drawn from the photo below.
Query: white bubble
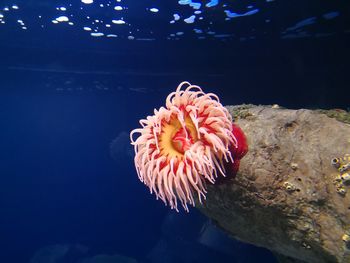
(97, 34)
(118, 22)
(55, 21)
(111, 35)
(62, 8)
(190, 19)
(87, 1)
(212, 3)
(62, 19)
(176, 17)
(179, 33)
(86, 28)
(1, 16)
(6, 9)
(172, 22)
(108, 25)
(71, 23)
(154, 10)
(118, 8)
(131, 37)
(15, 7)
(101, 5)
(190, 3)
(24, 27)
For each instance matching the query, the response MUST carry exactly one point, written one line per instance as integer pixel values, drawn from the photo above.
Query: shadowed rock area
(291, 195)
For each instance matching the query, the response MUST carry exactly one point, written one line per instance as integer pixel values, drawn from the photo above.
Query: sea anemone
(185, 145)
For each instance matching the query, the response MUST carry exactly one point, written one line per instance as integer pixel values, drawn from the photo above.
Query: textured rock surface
(287, 195)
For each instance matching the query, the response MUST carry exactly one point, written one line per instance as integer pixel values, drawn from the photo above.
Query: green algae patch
(240, 111)
(338, 114)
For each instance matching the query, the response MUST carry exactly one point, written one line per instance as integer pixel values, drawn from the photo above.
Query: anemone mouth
(183, 146)
(175, 139)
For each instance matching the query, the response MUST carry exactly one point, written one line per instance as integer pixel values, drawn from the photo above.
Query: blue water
(68, 100)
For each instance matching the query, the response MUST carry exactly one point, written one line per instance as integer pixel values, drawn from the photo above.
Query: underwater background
(77, 76)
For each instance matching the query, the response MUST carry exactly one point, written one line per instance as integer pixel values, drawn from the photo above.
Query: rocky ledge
(292, 192)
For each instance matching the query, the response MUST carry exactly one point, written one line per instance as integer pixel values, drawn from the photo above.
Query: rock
(59, 253)
(50, 254)
(189, 238)
(75, 253)
(288, 196)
